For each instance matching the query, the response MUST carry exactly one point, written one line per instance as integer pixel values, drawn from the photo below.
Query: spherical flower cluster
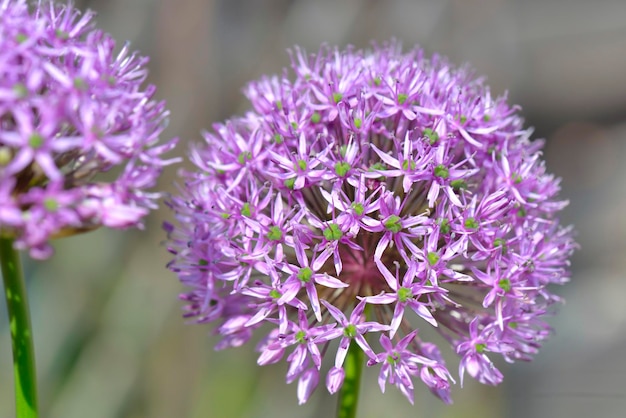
(377, 194)
(70, 109)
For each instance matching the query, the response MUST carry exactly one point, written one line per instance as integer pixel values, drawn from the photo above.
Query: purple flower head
(70, 109)
(372, 195)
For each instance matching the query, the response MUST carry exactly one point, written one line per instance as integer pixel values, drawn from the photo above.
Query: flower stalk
(21, 333)
(349, 393)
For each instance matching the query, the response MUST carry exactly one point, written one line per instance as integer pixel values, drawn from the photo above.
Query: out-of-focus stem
(21, 334)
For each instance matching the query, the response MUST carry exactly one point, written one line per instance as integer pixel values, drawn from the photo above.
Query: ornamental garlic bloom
(70, 109)
(377, 194)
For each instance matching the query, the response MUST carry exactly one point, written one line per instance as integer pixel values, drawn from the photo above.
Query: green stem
(349, 392)
(21, 335)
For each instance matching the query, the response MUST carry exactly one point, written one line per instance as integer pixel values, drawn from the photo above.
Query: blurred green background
(110, 341)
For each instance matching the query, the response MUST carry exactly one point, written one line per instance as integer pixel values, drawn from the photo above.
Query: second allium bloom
(376, 194)
(71, 109)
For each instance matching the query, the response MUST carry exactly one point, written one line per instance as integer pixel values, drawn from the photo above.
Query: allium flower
(71, 108)
(376, 194)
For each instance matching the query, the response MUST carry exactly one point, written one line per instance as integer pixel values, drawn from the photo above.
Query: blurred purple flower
(377, 194)
(70, 109)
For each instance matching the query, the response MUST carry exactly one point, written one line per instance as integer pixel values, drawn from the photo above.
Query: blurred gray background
(110, 341)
